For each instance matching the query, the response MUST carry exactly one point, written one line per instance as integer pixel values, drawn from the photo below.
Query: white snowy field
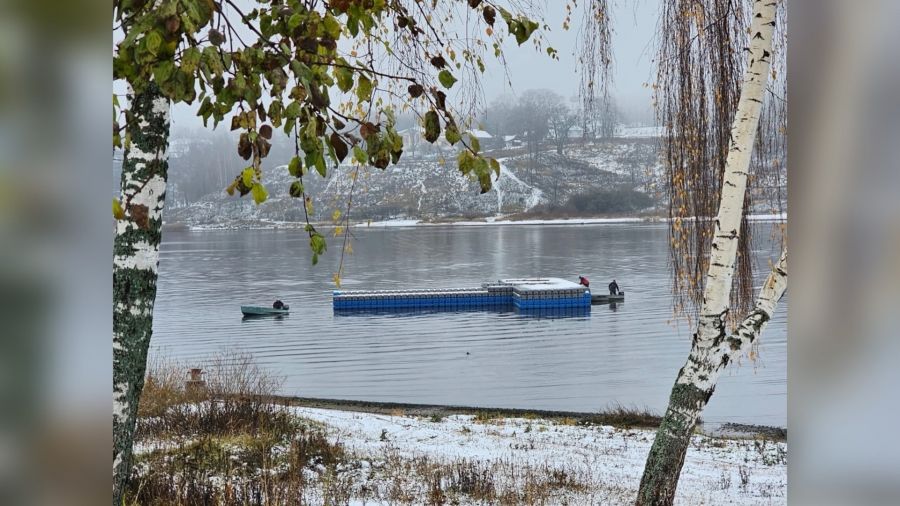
(605, 462)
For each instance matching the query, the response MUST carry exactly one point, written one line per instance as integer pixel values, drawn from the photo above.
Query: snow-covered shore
(403, 222)
(609, 460)
(493, 221)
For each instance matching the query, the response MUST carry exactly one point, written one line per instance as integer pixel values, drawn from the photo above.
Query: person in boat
(614, 288)
(584, 281)
(278, 305)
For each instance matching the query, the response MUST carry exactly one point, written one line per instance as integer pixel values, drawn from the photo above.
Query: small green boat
(602, 298)
(262, 311)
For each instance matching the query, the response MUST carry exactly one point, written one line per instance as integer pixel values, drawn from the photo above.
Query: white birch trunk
(135, 261)
(710, 352)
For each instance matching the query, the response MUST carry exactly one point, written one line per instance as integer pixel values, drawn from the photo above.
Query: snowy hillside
(431, 188)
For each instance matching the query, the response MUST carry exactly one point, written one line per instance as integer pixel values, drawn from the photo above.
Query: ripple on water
(627, 354)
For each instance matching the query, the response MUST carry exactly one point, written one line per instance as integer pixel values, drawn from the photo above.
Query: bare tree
(607, 119)
(560, 121)
(532, 118)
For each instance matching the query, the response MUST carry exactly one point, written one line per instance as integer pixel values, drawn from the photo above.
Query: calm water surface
(627, 354)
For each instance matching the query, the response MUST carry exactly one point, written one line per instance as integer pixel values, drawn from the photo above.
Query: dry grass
(621, 416)
(423, 480)
(228, 443)
(234, 443)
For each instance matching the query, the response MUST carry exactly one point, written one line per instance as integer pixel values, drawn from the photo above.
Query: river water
(625, 354)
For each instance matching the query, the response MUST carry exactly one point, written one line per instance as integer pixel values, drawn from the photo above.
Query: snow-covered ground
(496, 221)
(403, 222)
(640, 131)
(610, 460)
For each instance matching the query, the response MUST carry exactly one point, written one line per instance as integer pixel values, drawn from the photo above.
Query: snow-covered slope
(431, 188)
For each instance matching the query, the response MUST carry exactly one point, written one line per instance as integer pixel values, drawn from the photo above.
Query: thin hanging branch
(699, 68)
(595, 56)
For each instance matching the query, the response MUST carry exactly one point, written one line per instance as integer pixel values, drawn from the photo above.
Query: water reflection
(573, 362)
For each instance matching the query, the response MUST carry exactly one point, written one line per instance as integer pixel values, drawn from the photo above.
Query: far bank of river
(412, 222)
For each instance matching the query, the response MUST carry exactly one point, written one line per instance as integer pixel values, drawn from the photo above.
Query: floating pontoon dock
(525, 293)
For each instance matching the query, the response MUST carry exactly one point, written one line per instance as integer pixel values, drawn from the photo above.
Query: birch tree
(135, 263)
(713, 348)
(284, 64)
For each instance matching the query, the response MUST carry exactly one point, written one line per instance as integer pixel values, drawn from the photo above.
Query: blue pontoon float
(521, 294)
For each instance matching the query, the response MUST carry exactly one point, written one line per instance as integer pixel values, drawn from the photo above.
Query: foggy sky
(633, 23)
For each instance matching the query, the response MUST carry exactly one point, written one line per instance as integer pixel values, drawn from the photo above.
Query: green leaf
(153, 40)
(446, 79)
(364, 88)
(213, 60)
(495, 166)
(294, 21)
(360, 156)
(296, 190)
(320, 163)
(247, 176)
(190, 59)
(293, 110)
(353, 24)
(432, 126)
(162, 71)
(332, 27)
(529, 28)
(295, 167)
(344, 77)
(118, 212)
(317, 242)
(474, 143)
(465, 161)
(451, 133)
(259, 193)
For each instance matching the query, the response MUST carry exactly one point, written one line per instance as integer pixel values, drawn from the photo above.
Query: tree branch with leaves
(319, 70)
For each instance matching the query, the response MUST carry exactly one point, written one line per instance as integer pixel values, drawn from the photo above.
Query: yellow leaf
(337, 279)
(118, 212)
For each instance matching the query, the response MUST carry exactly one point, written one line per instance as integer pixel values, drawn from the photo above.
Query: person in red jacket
(584, 281)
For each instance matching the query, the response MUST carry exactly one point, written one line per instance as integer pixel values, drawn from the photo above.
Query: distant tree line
(622, 200)
(541, 115)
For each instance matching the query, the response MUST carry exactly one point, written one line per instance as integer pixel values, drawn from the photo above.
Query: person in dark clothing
(278, 305)
(614, 288)
(584, 281)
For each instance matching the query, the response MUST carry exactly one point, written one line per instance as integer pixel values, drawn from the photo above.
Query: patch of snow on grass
(716, 471)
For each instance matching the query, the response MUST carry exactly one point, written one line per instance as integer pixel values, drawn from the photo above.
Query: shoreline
(616, 416)
(490, 221)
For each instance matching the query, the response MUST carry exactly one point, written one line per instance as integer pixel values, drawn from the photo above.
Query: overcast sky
(634, 25)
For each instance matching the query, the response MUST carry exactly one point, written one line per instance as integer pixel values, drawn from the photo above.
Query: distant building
(481, 134)
(511, 141)
(415, 144)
